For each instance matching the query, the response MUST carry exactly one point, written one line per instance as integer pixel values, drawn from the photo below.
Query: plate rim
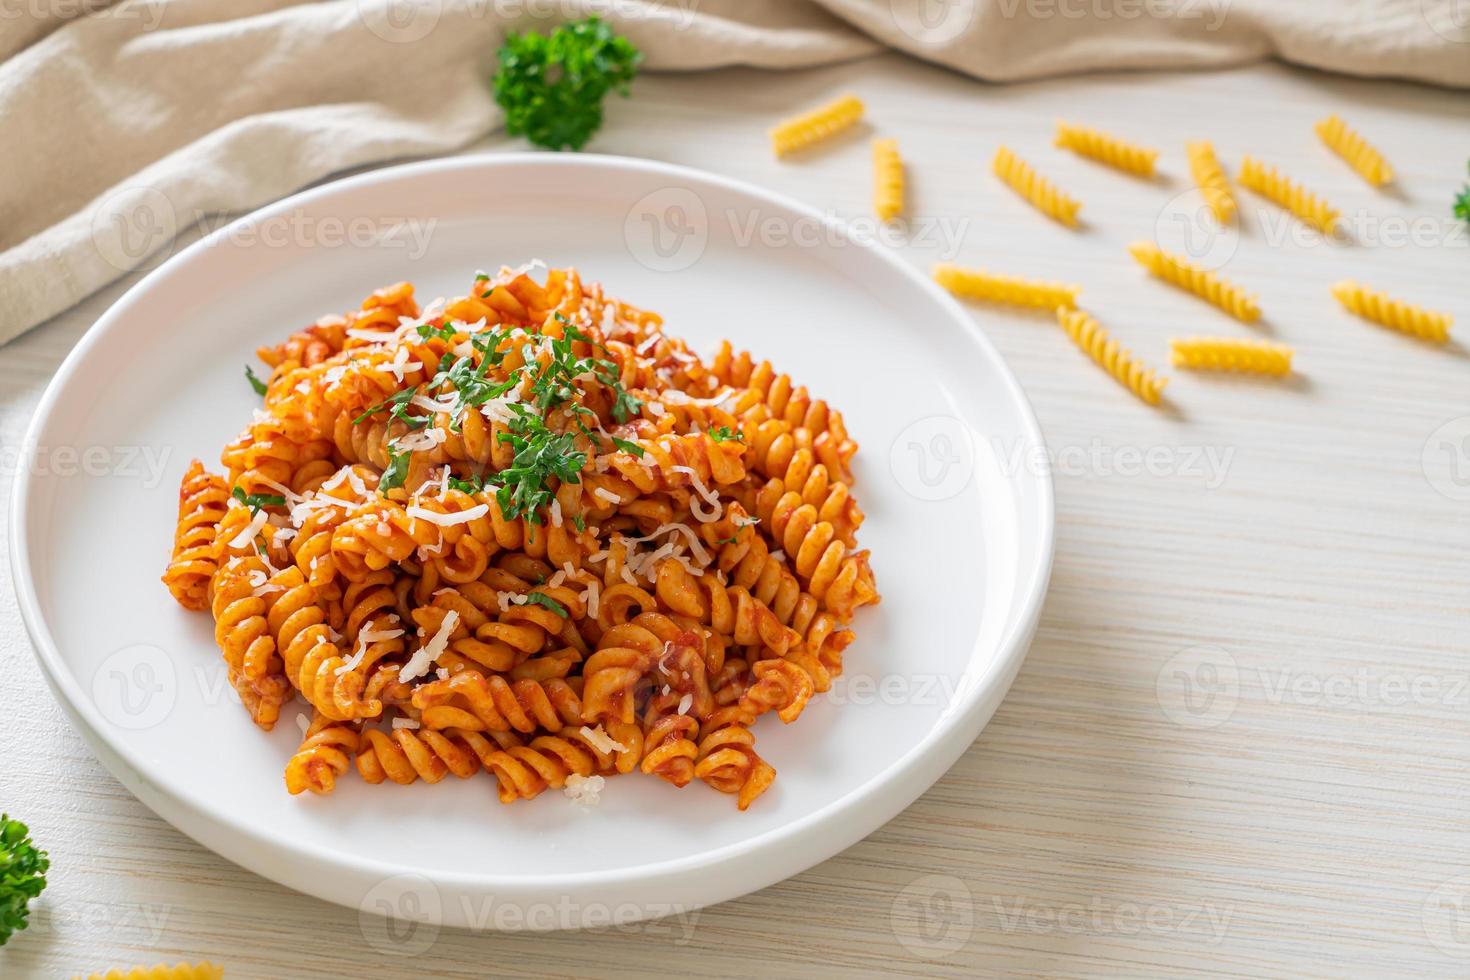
(866, 808)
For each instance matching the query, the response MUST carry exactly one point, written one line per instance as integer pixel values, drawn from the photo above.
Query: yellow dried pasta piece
(1117, 153)
(1231, 354)
(1272, 185)
(1095, 342)
(1361, 155)
(181, 971)
(887, 179)
(1179, 271)
(1210, 178)
(812, 127)
(1395, 314)
(979, 284)
(1040, 192)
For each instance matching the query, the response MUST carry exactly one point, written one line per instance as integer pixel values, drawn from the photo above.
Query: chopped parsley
(397, 406)
(473, 485)
(628, 447)
(427, 330)
(540, 454)
(542, 599)
(257, 501)
(396, 471)
(721, 433)
(1462, 202)
(259, 385)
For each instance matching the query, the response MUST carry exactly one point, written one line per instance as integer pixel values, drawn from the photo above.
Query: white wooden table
(1240, 743)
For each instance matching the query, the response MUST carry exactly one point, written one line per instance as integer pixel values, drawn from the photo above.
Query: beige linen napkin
(119, 117)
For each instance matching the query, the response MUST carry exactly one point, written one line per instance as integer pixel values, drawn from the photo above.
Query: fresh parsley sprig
(552, 87)
(22, 875)
(257, 501)
(1462, 201)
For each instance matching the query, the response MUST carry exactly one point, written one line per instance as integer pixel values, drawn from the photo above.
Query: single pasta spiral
(1385, 310)
(1179, 271)
(979, 284)
(203, 500)
(1089, 335)
(819, 124)
(1209, 177)
(1041, 193)
(887, 179)
(1361, 155)
(1116, 153)
(326, 752)
(1272, 185)
(1231, 354)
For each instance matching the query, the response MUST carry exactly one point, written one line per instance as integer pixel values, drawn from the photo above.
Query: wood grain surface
(1240, 743)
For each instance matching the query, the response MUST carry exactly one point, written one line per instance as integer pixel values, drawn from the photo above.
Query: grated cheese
(418, 664)
(602, 741)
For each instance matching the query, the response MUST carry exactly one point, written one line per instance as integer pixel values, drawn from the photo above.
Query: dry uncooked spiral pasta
(179, 971)
(525, 534)
(1209, 177)
(1179, 271)
(887, 180)
(819, 124)
(1359, 154)
(1041, 193)
(1231, 354)
(1119, 154)
(1095, 342)
(979, 284)
(1272, 185)
(1383, 309)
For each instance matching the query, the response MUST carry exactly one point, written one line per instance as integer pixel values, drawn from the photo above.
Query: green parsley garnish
(259, 385)
(396, 471)
(542, 599)
(628, 447)
(580, 523)
(22, 875)
(722, 433)
(1462, 201)
(398, 409)
(442, 332)
(552, 88)
(473, 485)
(257, 501)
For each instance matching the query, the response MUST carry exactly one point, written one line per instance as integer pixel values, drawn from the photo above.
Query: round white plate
(959, 526)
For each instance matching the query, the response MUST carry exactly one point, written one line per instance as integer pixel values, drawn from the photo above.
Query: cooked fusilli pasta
(1179, 271)
(529, 534)
(1209, 177)
(1095, 342)
(1395, 314)
(887, 179)
(979, 284)
(821, 123)
(1272, 185)
(1359, 154)
(1116, 153)
(1231, 354)
(1036, 189)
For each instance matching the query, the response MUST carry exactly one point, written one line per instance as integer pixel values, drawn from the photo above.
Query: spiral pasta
(1039, 192)
(179, 971)
(979, 284)
(526, 534)
(1117, 153)
(1095, 342)
(1358, 153)
(887, 179)
(819, 124)
(1179, 271)
(1272, 185)
(1231, 354)
(1209, 177)
(1383, 309)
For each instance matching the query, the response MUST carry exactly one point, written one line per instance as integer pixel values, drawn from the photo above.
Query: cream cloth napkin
(119, 117)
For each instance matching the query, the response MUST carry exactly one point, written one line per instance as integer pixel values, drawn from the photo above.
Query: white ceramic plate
(961, 537)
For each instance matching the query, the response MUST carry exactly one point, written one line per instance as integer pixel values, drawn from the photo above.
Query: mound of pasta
(527, 533)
